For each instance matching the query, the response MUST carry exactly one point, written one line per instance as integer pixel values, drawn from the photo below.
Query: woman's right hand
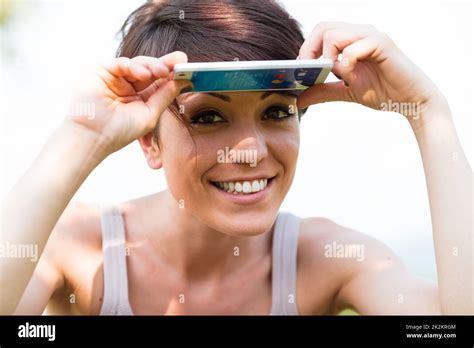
(124, 99)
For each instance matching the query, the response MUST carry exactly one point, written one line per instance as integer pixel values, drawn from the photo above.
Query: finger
(173, 58)
(163, 96)
(155, 66)
(128, 69)
(312, 46)
(148, 92)
(125, 76)
(158, 67)
(368, 48)
(324, 92)
(335, 40)
(120, 74)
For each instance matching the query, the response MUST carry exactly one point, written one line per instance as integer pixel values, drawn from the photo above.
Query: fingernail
(344, 61)
(186, 89)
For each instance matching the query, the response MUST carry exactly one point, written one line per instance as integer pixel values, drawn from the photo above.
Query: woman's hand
(124, 99)
(375, 72)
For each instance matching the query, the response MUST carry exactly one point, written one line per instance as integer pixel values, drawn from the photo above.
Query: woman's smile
(243, 191)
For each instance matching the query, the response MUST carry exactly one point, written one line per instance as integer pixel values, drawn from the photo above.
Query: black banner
(430, 331)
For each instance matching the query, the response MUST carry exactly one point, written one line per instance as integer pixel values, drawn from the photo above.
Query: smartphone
(268, 75)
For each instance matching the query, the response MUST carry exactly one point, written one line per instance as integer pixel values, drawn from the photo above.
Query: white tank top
(284, 253)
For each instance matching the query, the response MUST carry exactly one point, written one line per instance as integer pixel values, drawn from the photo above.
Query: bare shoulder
(70, 249)
(75, 239)
(324, 238)
(329, 255)
(78, 227)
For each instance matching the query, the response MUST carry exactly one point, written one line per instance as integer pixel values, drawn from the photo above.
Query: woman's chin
(246, 227)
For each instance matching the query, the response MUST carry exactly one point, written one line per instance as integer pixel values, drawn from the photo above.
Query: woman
(215, 242)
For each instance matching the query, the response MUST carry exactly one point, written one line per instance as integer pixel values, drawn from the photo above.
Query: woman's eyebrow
(220, 96)
(287, 93)
(227, 98)
(212, 94)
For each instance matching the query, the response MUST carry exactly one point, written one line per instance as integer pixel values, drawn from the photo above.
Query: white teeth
(243, 187)
(238, 187)
(256, 186)
(246, 187)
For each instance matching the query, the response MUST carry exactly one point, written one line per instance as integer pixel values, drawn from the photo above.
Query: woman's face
(233, 165)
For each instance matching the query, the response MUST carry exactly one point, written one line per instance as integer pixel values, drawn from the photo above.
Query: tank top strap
(284, 263)
(115, 299)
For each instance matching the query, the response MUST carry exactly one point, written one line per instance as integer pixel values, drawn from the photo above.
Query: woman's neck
(191, 248)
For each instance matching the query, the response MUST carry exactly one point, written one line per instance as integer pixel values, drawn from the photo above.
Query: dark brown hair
(211, 30)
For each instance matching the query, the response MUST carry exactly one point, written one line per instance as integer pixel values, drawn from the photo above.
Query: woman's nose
(251, 143)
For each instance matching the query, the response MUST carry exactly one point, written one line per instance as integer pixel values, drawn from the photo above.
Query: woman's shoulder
(324, 240)
(80, 226)
(73, 251)
(329, 255)
(79, 223)
(75, 237)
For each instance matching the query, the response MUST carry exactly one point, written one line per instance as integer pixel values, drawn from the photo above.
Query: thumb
(164, 96)
(324, 92)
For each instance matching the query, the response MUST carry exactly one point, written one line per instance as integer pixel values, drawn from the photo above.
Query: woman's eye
(278, 113)
(207, 117)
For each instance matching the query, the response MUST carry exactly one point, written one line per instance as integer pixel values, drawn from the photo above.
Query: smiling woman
(215, 242)
(189, 151)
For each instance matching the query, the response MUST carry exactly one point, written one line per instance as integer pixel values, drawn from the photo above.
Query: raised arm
(378, 75)
(127, 98)
(449, 181)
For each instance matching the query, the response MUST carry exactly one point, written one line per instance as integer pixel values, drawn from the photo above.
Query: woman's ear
(151, 150)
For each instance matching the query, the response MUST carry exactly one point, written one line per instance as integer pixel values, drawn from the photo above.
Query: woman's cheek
(178, 155)
(285, 148)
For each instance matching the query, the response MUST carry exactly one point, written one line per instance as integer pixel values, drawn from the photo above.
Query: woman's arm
(376, 74)
(122, 114)
(449, 181)
(36, 202)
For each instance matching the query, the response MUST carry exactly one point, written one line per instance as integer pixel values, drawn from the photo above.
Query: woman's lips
(244, 198)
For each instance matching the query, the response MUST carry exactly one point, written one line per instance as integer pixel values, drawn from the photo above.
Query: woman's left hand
(378, 73)
(375, 72)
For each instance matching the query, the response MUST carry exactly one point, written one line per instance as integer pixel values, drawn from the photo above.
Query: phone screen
(257, 79)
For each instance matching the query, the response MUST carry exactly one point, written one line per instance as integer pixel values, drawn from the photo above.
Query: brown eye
(277, 113)
(207, 117)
